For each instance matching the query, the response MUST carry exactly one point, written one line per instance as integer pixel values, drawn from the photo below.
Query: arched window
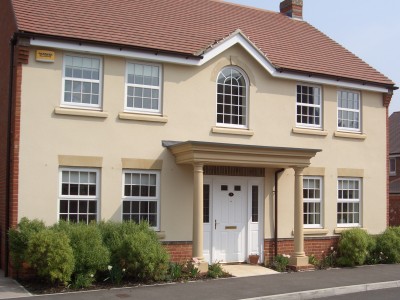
(232, 98)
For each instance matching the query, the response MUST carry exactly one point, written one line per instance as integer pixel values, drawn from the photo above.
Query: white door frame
(254, 231)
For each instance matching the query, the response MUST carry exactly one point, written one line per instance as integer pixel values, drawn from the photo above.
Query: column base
(298, 261)
(302, 268)
(201, 266)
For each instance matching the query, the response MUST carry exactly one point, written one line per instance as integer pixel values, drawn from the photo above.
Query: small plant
(116, 274)
(82, 280)
(175, 271)
(328, 260)
(191, 269)
(313, 260)
(353, 247)
(215, 270)
(51, 255)
(280, 262)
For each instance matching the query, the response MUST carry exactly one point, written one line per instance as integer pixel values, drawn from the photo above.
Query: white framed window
(82, 81)
(232, 98)
(79, 194)
(143, 87)
(349, 202)
(349, 113)
(312, 202)
(141, 197)
(392, 166)
(308, 106)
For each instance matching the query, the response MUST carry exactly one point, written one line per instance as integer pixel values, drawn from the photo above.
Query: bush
(388, 245)
(50, 253)
(89, 251)
(215, 270)
(113, 235)
(353, 247)
(182, 271)
(141, 254)
(19, 239)
(280, 262)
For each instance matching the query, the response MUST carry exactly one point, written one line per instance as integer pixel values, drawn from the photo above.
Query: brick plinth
(394, 210)
(316, 246)
(179, 251)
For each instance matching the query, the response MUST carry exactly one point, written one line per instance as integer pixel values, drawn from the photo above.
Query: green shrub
(353, 247)
(388, 245)
(215, 271)
(175, 271)
(280, 262)
(19, 239)
(50, 253)
(91, 255)
(113, 235)
(141, 254)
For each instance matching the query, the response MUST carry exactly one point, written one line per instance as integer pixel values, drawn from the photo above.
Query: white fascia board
(264, 62)
(237, 38)
(113, 51)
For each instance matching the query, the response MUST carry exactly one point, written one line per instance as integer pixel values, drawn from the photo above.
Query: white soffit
(212, 52)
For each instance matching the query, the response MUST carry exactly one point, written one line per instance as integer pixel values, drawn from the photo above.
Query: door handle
(215, 224)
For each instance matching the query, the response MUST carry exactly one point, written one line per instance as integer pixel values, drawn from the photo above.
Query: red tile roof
(188, 26)
(394, 133)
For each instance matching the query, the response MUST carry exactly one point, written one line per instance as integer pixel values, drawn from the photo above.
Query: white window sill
(143, 117)
(315, 231)
(319, 132)
(392, 174)
(350, 135)
(80, 112)
(236, 131)
(339, 230)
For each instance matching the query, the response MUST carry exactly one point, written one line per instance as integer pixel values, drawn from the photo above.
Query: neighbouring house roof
(190, 27)
(394, 133)
(394, 186)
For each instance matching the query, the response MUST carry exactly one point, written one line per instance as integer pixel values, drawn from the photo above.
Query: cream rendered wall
(189, 102)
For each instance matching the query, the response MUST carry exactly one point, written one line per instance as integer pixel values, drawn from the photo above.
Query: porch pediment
(224, 154)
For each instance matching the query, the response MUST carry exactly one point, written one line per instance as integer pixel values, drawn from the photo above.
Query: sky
(368, 28)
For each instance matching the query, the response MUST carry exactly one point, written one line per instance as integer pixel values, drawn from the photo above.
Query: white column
(197, 247)
(299, 257)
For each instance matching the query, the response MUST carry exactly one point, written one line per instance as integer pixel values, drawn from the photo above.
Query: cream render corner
(223, 151)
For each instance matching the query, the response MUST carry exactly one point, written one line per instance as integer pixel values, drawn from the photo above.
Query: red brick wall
(8, 27)
(179, 251)
(315, 246)
(394, 212)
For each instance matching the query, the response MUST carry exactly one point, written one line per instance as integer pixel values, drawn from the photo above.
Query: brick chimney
(292, 8)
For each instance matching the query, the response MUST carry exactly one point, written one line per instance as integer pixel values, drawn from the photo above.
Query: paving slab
(9, 288)
(245, 270)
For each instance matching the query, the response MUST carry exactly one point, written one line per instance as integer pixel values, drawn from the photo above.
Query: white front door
(229, 217)
(233, 218)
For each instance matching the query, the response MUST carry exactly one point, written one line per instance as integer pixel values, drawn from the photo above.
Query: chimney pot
(292, 8)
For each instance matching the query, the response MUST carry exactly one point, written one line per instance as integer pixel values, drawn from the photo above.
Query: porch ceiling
(221, 154)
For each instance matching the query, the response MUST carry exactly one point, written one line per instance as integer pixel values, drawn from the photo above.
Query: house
(394, 169)
(231, 130)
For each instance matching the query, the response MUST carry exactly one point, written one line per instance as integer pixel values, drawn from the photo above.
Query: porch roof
(224, 154)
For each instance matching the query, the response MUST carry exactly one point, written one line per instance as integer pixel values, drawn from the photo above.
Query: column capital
(198, 167)
(298, 170)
